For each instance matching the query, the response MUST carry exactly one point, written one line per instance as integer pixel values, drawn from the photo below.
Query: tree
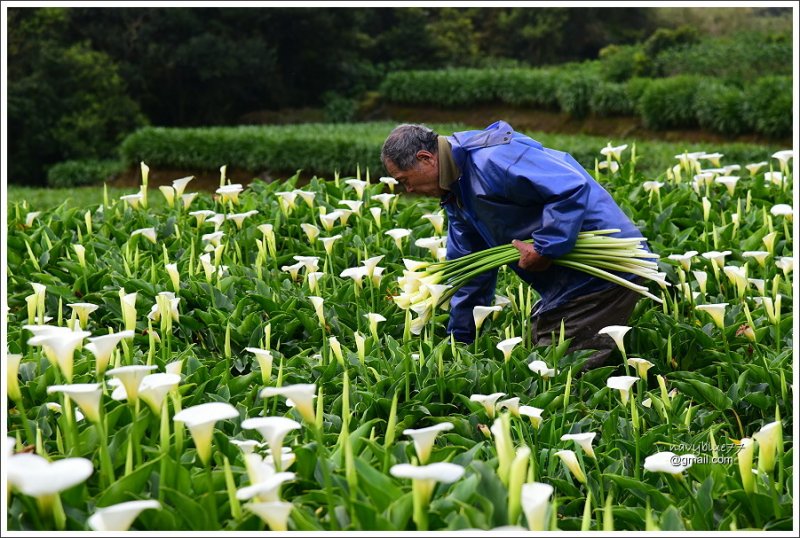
(65, 101)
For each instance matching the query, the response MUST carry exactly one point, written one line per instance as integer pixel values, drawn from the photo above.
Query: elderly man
(498, 186)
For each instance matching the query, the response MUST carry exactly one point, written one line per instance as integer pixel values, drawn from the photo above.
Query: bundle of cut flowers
(426, 285)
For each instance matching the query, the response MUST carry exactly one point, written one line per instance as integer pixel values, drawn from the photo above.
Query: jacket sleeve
(550, 180)
(462, 239)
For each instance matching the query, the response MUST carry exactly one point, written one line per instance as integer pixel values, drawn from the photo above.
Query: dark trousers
(583, 317)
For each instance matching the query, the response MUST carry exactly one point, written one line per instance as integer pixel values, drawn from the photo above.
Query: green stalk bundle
(595, 253)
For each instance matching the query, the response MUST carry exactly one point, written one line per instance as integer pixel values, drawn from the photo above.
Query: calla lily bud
(517, 475)
(501, 430)
(12, 373)
(745, 459)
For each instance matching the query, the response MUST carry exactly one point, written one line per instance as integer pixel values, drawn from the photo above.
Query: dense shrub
(611, 99)
(768, 106)
(668, 38)
(83, 172)
(720, 107)
(530, 87)
(447, 87)
(339, 109)
(618, 61)
(323, 148)
(316, 148)
(635, 88)
(574, 93)
(745, 56)
(670, 103)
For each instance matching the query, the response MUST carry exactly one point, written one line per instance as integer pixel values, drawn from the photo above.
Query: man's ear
(424, 155)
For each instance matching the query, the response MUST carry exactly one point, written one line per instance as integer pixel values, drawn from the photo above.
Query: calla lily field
(274, 357)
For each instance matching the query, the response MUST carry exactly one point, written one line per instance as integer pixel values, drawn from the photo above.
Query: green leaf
(641, 490)
(671, 520)
(377, 485)
(128, 487)
(194, 515)
(703, 392)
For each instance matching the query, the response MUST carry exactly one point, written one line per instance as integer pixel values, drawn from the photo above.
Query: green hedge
(323, 148)
(684, 101)
(82, 172)
(768, 106)
(316, 148)
(720, 107)
(670, 102)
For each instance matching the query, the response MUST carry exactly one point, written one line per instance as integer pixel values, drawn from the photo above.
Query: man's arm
(463, 239)
(542, 179)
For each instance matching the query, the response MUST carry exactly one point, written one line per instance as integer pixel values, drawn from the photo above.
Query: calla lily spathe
(436, 220)
(59, 347)
(583, 440)
(617, 333)
(200, 420)
(623, 384)
(535, 504)
(668, 462)
(507, 346)
(86, 395)
(131, 377)
(274, 513)
(533, 413)
(155, 387)
(12, 375)
(641, 365)
(768, 438)
(33, 475)
(425, 437)
(716, 311)
(541, 368)
(119, 517)
(274, 430)
(302, 395)
(571, 461)
(480, 313)
(488, 401)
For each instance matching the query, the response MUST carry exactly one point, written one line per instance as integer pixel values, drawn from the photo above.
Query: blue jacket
(511, 187)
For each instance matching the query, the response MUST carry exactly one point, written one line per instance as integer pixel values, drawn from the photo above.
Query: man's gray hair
(403, 143)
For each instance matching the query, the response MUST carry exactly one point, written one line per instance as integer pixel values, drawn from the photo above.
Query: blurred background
(94, 91)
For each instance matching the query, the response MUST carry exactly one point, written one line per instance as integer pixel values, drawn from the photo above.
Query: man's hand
(530, 260)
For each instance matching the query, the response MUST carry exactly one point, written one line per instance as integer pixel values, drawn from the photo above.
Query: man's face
(422, 178)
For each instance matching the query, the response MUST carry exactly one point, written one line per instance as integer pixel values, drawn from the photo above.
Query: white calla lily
(119, 517)
(200, 419)
(425, 437)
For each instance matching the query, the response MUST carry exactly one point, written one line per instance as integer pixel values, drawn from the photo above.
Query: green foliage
(530, 87)
(768, 105)
(618, 62)
(669, 103)
(720, 107)
(574, 93)
(65, 101)
(667, 38)
(82, 172)
(339, 109)
(611, 99)
(742, 56)
(320, 148)
(316, 148)
(635, 88)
